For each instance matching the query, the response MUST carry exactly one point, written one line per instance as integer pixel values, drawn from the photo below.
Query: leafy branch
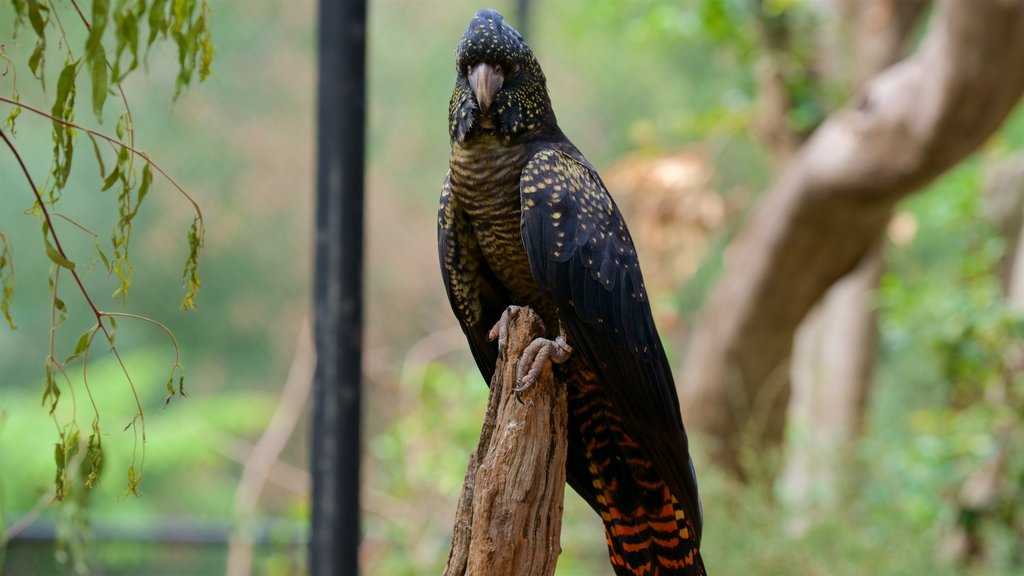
(185, 23)
(197, 232)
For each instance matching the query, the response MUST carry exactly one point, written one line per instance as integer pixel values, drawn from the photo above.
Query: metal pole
(334, 543)
(523, 18)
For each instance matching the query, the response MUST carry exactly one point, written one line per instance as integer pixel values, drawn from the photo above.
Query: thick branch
(916, 120)
(509, 517)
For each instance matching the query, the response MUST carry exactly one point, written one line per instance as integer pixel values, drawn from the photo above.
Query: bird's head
(499, 85)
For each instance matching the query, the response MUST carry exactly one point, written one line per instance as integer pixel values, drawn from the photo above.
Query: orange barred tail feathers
(646, 528)
(650, 543)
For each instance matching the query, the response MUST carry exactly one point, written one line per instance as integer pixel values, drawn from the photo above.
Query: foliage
(180, 451)
(237, 144)
(943, 307)
(749, 39)
(109, 53)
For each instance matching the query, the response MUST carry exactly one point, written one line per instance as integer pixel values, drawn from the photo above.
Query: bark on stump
(509, 516)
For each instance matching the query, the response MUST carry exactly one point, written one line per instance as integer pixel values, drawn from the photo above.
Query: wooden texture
(509, 516)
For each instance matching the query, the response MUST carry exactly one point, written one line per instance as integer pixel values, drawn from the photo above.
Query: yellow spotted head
(499, 85)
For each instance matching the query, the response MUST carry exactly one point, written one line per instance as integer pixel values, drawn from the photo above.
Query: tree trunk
(836, 344)
(509, 517)
(831, 204)
(1004, 207)
(833, 362)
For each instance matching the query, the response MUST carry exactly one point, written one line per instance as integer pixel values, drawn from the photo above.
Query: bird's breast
(485, 176)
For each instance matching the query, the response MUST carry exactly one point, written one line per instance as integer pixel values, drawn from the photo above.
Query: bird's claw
(536, 356)
(499, 331)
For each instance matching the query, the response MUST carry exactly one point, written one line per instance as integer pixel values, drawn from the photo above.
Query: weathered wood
(509, 517)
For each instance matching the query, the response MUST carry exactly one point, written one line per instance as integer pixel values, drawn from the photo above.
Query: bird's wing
(583, 259)
(476, 295)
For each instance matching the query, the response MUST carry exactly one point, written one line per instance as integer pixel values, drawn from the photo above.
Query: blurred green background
(643, 76)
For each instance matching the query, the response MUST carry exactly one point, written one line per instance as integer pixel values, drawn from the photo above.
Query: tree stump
(509, 516)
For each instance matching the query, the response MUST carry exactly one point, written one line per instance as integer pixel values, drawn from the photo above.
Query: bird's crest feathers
(522, 105)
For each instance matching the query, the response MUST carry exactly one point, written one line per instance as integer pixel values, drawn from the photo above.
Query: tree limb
(509, 516)
(914, 121)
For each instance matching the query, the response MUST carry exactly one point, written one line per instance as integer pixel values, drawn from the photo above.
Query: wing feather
(475, 294)
(583, 259)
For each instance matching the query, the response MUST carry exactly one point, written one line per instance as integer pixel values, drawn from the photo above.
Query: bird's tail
(646, 528)
(647, 533)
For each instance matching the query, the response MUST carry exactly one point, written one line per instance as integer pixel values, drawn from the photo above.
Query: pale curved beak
(485, 80)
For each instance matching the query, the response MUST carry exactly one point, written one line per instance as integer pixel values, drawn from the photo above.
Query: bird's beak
(485, 80)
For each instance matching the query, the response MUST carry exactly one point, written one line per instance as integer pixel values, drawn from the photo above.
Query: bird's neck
(485, 171)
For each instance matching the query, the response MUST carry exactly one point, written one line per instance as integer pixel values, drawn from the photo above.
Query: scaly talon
(500, 329)
(536, 356)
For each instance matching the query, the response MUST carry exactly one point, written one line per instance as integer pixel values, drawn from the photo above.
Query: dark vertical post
(523, 18)
(334, 544)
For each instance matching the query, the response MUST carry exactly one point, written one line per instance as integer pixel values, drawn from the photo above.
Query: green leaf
(205, 45)
(157, 21)
(133, 480)
(35, 61)
(35, 17)
(60, 479)
(82, 345)
(147, 180)
(190, 275)
(51, 392)
(15, 112)
(103, 257)
(100, 84)
(126, 21)
(93, 465)
(99, 156)
(96, 56)
(63, 136)
(65, 91)
(58, 258)
(113, 329)
(62, 308)
(111, 179)
(6, 280)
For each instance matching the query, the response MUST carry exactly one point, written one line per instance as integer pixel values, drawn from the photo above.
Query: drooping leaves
(39, 17)
(96, 55)
(126, 22)
(53, 253)
(6, 279)
(64, 451)
(190, 276)
(110, 54)
(92, 467)
(185, 21)
(63, 135)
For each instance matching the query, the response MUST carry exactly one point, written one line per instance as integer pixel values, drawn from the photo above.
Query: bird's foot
(535, 358)
(500, 330)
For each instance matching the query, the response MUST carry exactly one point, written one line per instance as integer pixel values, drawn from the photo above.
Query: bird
(525, 220)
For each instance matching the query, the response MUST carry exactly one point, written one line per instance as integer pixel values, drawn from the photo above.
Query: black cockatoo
(525, 220)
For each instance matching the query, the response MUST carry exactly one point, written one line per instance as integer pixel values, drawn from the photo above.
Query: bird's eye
(497, 68)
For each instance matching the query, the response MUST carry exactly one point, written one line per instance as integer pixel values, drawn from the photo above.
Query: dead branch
(509, 517)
